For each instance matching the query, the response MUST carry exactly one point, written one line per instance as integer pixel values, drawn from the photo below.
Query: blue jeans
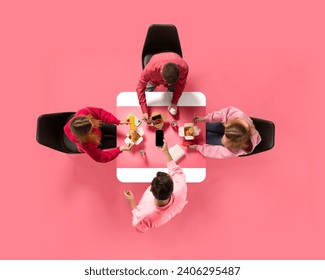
(214, 133)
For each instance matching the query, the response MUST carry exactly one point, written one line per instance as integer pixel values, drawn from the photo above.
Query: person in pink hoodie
(167, 69)
(93, 130)
(229, 133)
(165, 198)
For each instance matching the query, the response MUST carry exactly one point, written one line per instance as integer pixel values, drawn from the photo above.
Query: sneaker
(172, 110)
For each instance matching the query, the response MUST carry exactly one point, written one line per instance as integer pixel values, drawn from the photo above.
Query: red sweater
(153, 73)
(92, 149)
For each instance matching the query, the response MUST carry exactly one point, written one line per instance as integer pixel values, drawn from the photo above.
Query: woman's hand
(126, 148)
(198, 119)
(192, 147)
(127, 121)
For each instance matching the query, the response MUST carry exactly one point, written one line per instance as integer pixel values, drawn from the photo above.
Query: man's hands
(164, 148)
(126, 148)
(165, 152)
(130, 197)
(172, 109)
(145, 117)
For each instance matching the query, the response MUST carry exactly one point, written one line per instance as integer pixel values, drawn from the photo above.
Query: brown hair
(170, 73)
(162, 186)
(81, 128)
(238, 136)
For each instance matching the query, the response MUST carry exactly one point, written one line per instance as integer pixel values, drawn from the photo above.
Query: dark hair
(162, 186)
(170, 73)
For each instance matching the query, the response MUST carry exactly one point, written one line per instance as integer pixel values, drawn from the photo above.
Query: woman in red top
(94, 129)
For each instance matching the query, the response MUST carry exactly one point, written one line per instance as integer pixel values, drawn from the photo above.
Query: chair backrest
(266, 130)
(160, 38)
(50, 132)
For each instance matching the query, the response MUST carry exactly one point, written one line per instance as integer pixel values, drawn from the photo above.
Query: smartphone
(159, 138)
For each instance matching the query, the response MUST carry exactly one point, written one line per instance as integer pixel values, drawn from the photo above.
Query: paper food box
(158, 120)
(176, 152)
(135, 136)
(189, 131)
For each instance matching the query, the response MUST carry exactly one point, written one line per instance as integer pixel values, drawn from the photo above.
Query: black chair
(266, 129)
(50, 132)
(160, 38)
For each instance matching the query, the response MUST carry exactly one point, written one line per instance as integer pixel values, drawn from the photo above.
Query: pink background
(265, 58)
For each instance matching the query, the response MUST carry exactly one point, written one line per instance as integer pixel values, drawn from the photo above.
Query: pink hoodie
(224, 115)
(148, 215)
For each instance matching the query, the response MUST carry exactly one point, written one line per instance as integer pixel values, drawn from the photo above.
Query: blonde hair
(238, 136)
(81, 128)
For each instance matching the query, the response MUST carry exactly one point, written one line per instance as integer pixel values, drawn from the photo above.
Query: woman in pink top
(165, 198)
(230, 133)
(94, 129)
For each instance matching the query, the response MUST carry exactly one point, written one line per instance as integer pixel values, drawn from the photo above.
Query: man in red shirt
(167, 69)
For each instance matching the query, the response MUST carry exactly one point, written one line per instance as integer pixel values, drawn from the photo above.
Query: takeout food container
(158, 120)
(128, 140)
(189, 131)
